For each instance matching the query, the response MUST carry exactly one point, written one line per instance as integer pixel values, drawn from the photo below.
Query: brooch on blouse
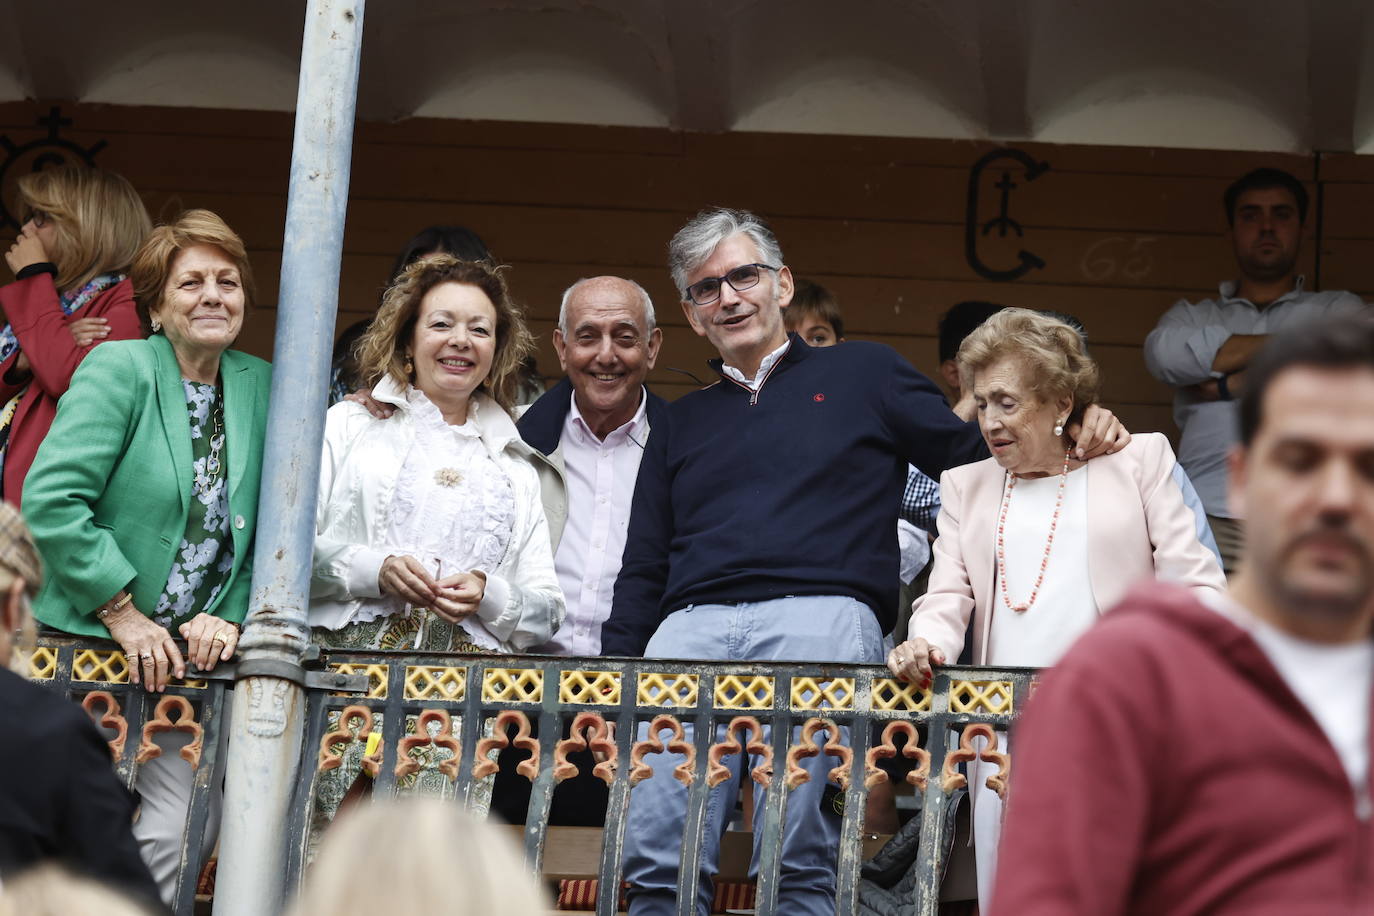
(448, 477)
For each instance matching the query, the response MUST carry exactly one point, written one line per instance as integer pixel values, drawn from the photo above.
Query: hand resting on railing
(912, 660)
(153, 656)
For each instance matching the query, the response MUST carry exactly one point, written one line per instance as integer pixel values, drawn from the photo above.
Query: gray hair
(644, 301)
(694, 242)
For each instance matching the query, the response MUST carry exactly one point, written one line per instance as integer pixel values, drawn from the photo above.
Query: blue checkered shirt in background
(920, 500)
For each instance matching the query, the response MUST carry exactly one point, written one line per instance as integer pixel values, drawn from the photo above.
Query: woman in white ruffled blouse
(431, 534)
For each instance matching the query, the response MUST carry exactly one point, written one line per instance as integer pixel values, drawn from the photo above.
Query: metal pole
(269, 702)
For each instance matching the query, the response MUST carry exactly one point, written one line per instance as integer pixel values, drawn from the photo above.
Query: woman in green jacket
(143, 497)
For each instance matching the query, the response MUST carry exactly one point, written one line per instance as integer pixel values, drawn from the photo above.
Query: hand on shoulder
(364, 398)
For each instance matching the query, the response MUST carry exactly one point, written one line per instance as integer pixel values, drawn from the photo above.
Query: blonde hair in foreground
(50, 890)
(418, 855)
(97, 216)
(19, 559)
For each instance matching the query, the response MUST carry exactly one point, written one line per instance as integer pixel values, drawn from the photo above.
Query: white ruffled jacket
(523, 605)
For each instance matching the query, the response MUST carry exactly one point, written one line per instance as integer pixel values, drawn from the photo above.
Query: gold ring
(220, 637)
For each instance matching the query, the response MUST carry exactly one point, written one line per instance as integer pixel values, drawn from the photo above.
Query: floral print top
(206, 555)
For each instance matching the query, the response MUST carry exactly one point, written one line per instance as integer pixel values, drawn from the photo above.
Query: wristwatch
(1223, 391)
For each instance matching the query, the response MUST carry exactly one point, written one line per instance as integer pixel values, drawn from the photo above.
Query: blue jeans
(824, 629)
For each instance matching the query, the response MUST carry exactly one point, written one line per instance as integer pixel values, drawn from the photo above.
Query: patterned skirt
(416, 630)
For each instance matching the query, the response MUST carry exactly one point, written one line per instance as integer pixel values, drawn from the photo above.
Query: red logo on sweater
(818, 397)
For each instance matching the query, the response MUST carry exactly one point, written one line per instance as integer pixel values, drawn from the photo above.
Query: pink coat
(1138, 528)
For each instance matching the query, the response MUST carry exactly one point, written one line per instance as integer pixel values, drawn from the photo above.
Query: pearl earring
(157, 325)
(1059, 428)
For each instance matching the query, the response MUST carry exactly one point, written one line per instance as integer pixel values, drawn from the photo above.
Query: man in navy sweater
(762, 526)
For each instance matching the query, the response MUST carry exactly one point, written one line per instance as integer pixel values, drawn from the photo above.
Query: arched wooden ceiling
(1261, 75)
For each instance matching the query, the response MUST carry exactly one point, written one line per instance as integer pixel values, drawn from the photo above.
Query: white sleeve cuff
(363, 568)
(495, 609)
(913, 547)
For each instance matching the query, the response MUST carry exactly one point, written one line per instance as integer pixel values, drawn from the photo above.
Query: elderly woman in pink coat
(1034, 545)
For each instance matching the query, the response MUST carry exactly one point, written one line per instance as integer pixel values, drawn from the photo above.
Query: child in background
(814, 314)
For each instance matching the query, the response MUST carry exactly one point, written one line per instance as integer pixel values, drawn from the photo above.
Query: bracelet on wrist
(105, 610)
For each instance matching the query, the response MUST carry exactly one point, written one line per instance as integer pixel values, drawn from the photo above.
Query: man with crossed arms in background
(1203, 348)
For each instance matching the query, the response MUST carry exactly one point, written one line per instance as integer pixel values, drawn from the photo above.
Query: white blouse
(455, 498)
(453, 510)
(1064, 607)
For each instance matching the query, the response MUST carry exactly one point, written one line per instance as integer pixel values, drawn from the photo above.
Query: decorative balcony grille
(402, 719)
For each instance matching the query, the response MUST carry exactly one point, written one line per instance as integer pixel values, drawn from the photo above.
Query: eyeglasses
(39, 218)
(746, 276)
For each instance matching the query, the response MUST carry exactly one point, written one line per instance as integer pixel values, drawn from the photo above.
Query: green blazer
(109, 492)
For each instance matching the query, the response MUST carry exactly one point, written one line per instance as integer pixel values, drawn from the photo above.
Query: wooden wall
(1123, 232)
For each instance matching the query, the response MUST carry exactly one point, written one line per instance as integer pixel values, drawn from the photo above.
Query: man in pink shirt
(1185, 758)
(591, 428)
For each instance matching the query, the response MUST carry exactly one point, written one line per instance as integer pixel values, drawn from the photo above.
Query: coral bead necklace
(1022, 607)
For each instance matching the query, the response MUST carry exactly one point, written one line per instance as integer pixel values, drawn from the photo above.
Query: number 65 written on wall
(1118, 255)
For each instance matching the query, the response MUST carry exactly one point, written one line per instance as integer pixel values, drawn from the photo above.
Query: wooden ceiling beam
(700, 56)
(1334, 47)
(1003, 60)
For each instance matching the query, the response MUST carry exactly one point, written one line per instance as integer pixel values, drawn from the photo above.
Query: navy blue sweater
(791, 491)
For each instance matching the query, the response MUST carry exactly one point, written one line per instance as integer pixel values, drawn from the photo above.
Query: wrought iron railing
(405, 726)
(96, 674)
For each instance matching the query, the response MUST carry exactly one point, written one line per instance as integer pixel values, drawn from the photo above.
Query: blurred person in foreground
(59, 798)
(1034, 544)
(81, 228)
(51, 890)
(143, 498)
(1209, 753)
(418, 856)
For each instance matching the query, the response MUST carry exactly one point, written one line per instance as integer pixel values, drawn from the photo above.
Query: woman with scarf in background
(71, 292)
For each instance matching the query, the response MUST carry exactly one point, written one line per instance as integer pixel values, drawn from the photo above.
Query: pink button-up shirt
(601, 482)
